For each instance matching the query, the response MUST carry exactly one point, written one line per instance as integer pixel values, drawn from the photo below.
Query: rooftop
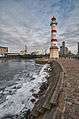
(3, 47)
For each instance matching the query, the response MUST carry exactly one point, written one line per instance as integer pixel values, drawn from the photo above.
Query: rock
(43, 86)
(32, 90)
(35, 95)
(33, 100)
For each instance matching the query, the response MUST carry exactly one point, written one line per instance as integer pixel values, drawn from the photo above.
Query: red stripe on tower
(53, 40)
(53, 31)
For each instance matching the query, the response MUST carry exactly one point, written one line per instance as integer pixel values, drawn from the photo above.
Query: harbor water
(19, 79)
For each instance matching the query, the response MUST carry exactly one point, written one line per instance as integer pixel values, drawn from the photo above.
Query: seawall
(60, 100)
(47, 105)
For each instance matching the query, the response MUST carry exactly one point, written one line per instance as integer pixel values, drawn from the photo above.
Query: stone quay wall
(47, 105)
(60, 100)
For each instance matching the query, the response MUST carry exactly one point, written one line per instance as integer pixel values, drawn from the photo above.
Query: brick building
(3, 50)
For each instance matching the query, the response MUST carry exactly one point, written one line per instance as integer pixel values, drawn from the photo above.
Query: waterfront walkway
(66, 96)
(70, 89)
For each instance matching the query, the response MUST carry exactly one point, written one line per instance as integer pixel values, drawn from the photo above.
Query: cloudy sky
(28, 22)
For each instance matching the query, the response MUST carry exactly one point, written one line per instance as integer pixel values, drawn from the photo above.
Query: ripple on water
(17, 97)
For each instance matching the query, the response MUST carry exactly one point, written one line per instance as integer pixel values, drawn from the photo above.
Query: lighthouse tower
(54, 53)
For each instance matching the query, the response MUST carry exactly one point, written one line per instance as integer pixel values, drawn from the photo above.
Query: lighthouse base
(54, 53)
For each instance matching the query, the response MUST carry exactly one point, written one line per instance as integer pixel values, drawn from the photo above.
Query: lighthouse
(54, 53)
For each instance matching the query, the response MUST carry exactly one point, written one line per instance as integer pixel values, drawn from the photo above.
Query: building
(63, 49)
(39, 51)
(24, 51)
(3, 50)
(78, 47)
(54, 53)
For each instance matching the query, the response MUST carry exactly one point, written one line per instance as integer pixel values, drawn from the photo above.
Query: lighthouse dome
(53, 21)
(53, 18)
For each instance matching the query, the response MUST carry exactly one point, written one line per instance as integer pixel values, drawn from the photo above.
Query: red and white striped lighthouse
(54, 53)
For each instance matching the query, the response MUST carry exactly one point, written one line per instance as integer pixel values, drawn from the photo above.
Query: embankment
(47, 105)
